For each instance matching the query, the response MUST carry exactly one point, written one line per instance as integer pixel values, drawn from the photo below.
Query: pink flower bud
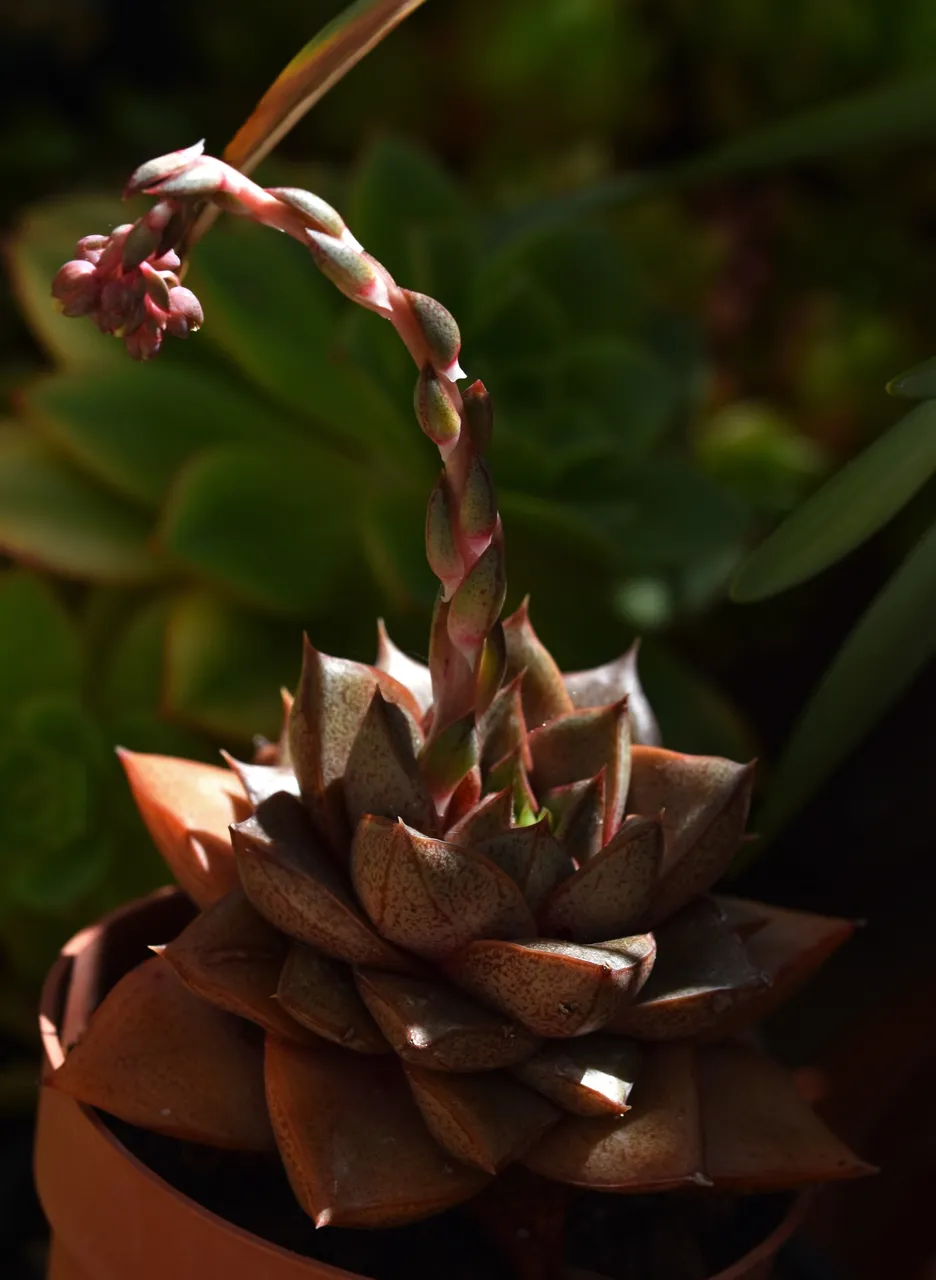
(144, 342)
(147, 175)
(90, 248)
(169, 261)
(118, 305)
(109, 260)
(185, 313)
(76, 287)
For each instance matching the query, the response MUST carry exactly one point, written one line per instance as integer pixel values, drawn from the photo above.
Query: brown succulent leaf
(788, 947)
(702, 974)
(491, 816)
(486, 1120)
(705, 802)
(502, 729)
(230, 956)
(355, 1147)
(609, 895)
(759, 1133)
(157, 1056)
(320, 993)
(260, 781)
(532, 857)
(611, 682)
(465, 799)
(407, 671)
(579, 745)
(332, 699)
(657, 1146)
(429, 896)
(432, 1024)
(188, 808)
(555, 989)
(290, 877)
(510, 774)
(589, 1076)
(381, 775)
(544, 692)
(578, 811)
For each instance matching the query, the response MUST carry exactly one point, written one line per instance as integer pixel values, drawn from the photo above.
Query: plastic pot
(111, 1216)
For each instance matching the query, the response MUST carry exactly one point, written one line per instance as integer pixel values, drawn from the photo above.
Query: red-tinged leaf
(610, 894)
(382, 776)
(759, 1133)
(702, 974)
(787, 946)
(354, 1145)
(533, 858)
(612, 682)
(331, 702)
(434, 1025)
(511, 775)
(486, 1120)
(157, 1056)
(502, 729)
(555, 989)
(411, 674)
(544, 692)
(260, 781)
(705, 802)
(578, 811)
(464, 801)
(429, 896)
(320, 993)
(490, 817)
(589, 1076)
(230, 956)
(579, 745)
(657, 1146)
(290, 877)
(188, 808)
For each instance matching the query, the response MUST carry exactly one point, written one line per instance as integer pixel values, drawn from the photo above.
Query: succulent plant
(467, 903)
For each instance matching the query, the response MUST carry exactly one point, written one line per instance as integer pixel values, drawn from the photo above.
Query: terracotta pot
(110, 1215)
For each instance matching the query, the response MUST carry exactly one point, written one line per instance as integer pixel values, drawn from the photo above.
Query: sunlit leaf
(855, 503)
(888, 647)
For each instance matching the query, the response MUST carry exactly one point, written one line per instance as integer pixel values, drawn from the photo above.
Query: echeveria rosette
(442, 995)
(468, 905)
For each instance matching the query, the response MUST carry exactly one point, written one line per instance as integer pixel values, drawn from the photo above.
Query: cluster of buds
(126, 284)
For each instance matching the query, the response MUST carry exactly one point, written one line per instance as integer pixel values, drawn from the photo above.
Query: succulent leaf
(158, 1056)
(544, 691)
(502, 728)
(579, 745)
(382, 776)
(702, 973)
(260, 781)
(479, 415)
(609, 683)
(485, 1121)
(589, 1076)
(657, 1146)
(478, 600)
(578, 813)
(434, 1025)
(412, 675)
(533, 858)
(353, 1142)
(319, 992)
(464, 799)
(510, 774)
(290, 877)
(491, 816)
(555, 989)
(231, 957)
(188, 808)
(609, 895)
(429, 896)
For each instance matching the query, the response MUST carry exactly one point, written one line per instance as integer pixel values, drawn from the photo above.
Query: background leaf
(39, 650)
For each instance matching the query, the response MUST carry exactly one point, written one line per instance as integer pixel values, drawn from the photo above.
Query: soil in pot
(669, 1237)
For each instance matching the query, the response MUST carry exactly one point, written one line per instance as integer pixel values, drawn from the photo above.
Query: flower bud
(157, 290)
(442, 551)
(185, 313)
(144, 342)
(168, 261)
(436, 411)
(440, 332)
(118, 305)
(203, 176)
(90, 248)
(76, 287)
(477, 511)
(479, 415)
(477, 603)
(142, 241)
(349, 270)
(109, 260)
(153, 171)
(316, 212)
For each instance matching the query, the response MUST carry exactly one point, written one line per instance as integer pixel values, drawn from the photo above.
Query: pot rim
(66, 990)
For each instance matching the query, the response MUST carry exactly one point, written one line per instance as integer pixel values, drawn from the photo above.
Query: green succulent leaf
(275, 530)
(888, 647)
(43, 241)
(918, 383)
(224, 668)
(39, 647)
(53, 516)
(134, 426)
(851, 506)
